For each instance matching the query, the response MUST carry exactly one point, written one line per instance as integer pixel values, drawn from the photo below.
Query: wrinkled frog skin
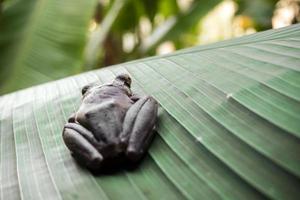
(111, 124)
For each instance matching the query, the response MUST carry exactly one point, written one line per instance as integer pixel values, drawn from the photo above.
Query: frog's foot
(138, 127)
(72, 118)
(77, 139)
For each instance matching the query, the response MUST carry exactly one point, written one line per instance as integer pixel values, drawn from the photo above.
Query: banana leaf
(41, 40)
(228, 127)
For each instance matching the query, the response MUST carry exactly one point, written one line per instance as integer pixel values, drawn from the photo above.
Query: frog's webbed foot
(82, 144)
(138, 127)
(135, 97)
(72, 118)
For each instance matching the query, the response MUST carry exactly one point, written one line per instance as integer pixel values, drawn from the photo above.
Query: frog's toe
(133, 155)
(92, 163)
(95, 163)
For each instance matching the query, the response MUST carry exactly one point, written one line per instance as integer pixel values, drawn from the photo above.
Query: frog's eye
(128, 81)
(124, 78)
(85, 89)
(89, 87)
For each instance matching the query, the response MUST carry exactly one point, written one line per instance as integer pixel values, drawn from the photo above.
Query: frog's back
(103, 111)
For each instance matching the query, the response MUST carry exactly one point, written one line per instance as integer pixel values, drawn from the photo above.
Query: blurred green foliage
(51, 39)
(261, 11)
(42, 40)
(166, 20)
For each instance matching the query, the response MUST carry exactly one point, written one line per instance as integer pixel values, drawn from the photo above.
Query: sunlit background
(221, 20)
(45, 40)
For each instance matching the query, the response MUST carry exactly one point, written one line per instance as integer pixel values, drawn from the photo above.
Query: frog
(111, 125)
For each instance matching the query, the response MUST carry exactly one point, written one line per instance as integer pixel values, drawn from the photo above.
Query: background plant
(43, 40)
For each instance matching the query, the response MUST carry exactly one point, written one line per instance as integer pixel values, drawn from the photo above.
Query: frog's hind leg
(79, 142)
(138, 127)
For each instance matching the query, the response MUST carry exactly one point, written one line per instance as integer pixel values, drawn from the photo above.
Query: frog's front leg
(138, 127)
(83, 145)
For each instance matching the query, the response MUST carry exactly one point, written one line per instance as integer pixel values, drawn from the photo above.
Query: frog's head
(123, 79)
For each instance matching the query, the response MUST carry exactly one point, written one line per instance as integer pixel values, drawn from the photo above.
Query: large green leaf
(41, 40)
(228, 127)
